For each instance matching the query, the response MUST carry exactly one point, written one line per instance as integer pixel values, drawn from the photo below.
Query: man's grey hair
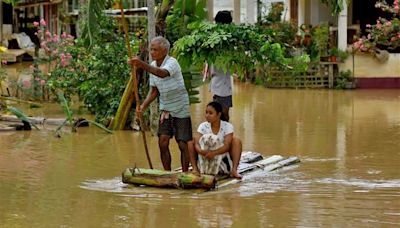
(162, 41)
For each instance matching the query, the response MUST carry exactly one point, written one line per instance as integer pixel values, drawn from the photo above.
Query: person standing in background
(221, 82)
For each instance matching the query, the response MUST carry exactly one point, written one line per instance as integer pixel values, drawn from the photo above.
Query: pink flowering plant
(385, 34)
(56, 55)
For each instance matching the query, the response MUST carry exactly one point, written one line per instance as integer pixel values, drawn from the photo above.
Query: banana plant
(20, 115)
(336, 6)
(69, 117)
(91, 13)
(12, 2)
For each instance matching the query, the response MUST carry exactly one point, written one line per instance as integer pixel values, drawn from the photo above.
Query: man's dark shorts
(224, 101)
(181, 128)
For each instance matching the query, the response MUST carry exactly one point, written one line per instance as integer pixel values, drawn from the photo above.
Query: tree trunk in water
(167, 179)
(125, 105)
(130, 91)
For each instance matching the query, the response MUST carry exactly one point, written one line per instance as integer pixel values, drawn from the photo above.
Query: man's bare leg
(163, 144)
(193, 157)
(225, 112)
(183, 147)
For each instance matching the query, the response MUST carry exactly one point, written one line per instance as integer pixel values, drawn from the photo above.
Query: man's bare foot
(236, 175)
(196, 172)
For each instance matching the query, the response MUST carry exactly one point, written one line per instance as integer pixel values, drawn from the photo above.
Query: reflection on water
(348, 142)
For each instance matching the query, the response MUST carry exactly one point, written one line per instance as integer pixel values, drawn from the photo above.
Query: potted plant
(320, 36)
(333, 54)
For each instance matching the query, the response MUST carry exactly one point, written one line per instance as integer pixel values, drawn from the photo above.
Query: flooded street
(349, 175)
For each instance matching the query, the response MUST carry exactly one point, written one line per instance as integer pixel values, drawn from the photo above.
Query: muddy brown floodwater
(348, 142)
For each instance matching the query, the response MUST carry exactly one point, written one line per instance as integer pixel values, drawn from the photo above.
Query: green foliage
(66, 108)
(99, 74)
(336, 6)
(230, 47)
(216, 43)
(69, 117)
(281, 32)
(343, 55)
(12, 2)
(344, 78)
(3, 74)
(183, 13)
(193, 79)
(20, 115)
(320, 35)
(92, 13)
(104, 82)
(275, 13)
(385, 34)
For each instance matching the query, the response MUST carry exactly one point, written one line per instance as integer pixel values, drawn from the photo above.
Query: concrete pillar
(301, 12)
(314, 12)
(210, 9)
(251, 11)
(236, 11)
(342, 28)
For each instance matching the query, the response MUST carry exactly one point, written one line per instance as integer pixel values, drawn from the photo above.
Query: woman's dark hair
(223, 17)
(218, 108)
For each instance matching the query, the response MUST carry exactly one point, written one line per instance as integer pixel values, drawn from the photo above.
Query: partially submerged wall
(369, 72)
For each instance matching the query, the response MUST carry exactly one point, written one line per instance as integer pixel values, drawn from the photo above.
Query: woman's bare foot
(236, 175)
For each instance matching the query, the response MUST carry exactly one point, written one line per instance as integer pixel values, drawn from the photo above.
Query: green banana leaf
(20, 115)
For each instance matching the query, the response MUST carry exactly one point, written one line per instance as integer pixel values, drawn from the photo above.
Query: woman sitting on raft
(215, 150)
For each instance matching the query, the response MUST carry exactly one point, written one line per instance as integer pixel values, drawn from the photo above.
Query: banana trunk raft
(250, 162)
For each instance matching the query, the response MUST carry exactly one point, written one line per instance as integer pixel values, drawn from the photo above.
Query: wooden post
(330, 76)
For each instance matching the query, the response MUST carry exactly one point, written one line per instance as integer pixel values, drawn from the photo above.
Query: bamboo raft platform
(250, 162)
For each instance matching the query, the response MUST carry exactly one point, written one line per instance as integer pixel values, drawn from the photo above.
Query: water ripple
(362, 183)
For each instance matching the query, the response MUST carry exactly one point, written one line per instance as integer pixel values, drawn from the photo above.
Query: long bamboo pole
(128, 89)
